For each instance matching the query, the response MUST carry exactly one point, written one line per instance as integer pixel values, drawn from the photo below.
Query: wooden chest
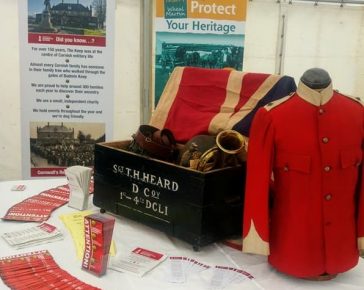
(199, 208)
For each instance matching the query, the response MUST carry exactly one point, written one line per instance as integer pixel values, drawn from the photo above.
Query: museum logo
(175, 9)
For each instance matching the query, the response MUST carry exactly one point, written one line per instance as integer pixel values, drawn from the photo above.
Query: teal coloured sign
(175, 9)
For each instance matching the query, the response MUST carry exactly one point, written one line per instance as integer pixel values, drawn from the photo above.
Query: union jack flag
(199, 101)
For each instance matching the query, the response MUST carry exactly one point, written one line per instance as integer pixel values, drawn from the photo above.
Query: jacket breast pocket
(350, 161)
(293, 162)
(291, 173)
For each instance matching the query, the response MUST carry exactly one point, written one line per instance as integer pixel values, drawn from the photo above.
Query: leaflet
(223, 276)
(36, 235)
(139, 261)
(180, 268)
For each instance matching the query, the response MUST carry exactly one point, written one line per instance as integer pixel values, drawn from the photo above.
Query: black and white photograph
(63, 144)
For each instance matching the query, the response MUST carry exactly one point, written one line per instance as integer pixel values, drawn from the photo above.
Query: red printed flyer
(37, 270)
(38, 208)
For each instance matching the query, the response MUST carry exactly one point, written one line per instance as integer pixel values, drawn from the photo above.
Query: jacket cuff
(361, 244)
(254, 244)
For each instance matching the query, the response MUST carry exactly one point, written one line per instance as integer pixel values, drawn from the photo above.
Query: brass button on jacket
(328, 196)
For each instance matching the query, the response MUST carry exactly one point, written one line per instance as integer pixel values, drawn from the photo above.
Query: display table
(128, 235)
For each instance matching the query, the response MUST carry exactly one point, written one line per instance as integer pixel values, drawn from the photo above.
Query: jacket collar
(315, 97)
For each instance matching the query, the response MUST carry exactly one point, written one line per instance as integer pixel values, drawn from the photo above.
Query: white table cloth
(128, 235)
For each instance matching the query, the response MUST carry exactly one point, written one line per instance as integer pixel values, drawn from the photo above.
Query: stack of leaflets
(139, 261)
(38, 208)
(98, 230)
(223, 276)
(179, 268)
(74, 222)
(36, 235)
(79, 178)
(37, 270)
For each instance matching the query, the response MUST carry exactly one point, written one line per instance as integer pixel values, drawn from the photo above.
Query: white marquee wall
(326, 36)
(331, 38)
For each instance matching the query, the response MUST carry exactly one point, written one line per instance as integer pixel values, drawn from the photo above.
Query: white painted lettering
(135, 188)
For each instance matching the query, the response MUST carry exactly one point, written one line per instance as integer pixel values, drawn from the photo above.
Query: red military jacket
(304, 197)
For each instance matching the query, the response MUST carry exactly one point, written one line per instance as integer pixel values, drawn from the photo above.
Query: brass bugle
(210, 159)
(230, 150)
(233, 145)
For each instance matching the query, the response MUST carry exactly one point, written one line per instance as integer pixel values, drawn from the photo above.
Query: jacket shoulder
(355, 99)
(276, 103)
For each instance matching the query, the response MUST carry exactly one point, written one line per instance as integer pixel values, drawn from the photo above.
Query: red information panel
(68, 39)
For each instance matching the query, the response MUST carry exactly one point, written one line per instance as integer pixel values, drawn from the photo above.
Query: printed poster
(66, 67)
(199, 33)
